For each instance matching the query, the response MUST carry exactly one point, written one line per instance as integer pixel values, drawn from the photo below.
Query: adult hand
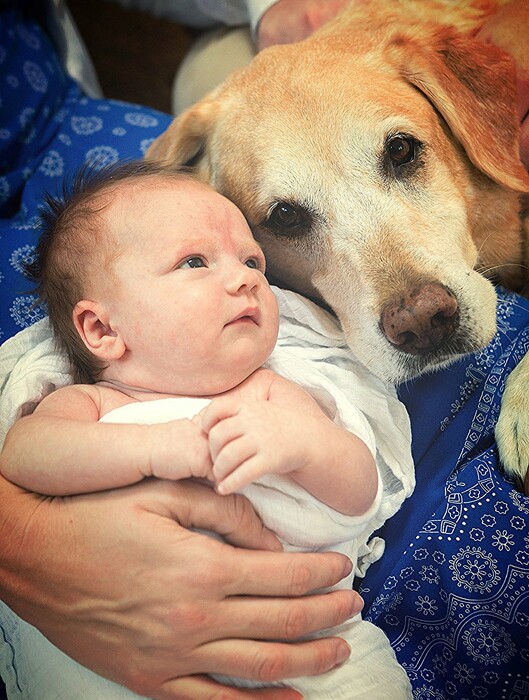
(288, 21)
(509, 29)
(116, 581)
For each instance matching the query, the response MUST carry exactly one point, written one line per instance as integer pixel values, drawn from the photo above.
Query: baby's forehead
(134, 194)
(192, 197)
(158, 181)
(140, 193)
(148, 215)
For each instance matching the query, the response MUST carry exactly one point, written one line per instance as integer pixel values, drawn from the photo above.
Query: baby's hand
(180, 450)
(247, 440)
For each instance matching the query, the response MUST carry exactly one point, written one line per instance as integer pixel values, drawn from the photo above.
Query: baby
(156, 291)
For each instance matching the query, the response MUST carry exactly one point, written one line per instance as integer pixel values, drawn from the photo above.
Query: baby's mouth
(248, 315)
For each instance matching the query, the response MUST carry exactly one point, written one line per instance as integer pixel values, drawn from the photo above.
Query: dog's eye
(284, 215)
(401, 150)
(289, 219)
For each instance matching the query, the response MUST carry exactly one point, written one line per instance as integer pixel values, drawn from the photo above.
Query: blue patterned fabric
(48, 129)
(452, 590)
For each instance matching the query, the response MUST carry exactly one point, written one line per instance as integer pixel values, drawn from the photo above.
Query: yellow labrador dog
(378, 165)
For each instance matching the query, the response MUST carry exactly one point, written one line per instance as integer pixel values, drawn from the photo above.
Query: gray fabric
(71, 48)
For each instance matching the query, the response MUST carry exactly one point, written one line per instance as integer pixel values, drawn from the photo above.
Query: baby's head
(154, 280)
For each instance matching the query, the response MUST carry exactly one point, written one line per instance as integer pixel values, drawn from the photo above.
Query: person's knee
(210, 60)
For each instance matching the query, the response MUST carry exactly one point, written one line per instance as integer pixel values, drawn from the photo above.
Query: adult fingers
(205, 688)
(195, 505)
(284, 575)
(273, 661)
(290, 618)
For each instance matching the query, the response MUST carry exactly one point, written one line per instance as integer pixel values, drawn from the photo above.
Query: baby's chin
(222, 384)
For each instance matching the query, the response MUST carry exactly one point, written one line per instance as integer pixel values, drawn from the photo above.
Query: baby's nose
(243, 277)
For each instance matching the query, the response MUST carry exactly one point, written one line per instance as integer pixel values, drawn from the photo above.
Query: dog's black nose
(422, 320)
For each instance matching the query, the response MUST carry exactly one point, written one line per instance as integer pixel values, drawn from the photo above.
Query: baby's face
(192, 303)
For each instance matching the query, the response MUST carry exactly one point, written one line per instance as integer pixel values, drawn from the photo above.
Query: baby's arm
(61, 449)
(286, 432)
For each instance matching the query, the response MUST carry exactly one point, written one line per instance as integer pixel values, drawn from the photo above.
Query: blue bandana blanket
(452, 590)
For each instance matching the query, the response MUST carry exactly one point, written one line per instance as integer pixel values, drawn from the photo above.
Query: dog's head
(379, 169)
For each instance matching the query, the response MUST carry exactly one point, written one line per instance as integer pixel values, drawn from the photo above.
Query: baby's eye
(192, 262)
(255, 264)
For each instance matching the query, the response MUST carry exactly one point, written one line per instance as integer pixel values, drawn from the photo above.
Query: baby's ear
(92, 324)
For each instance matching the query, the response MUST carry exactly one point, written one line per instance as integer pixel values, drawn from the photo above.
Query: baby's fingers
(230, 455)
(223, 433)
(246, 473)
(218, 410)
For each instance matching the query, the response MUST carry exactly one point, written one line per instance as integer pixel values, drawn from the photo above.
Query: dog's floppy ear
(473, 86)
(184, 142)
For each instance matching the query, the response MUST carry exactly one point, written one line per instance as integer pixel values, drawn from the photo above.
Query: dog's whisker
(485, 241)
(493, 268)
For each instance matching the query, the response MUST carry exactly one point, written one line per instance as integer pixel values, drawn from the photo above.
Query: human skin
(51, 585)
(288, 21)
(189, 312)
(111, 579)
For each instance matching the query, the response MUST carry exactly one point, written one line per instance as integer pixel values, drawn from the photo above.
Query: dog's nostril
(422, 321)
(406, 338)
(440, 318)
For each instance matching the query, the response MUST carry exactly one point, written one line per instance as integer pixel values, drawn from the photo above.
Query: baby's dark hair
(71, 234)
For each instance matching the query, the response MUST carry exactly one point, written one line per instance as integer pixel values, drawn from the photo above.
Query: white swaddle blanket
(312, 352)
(305, 523)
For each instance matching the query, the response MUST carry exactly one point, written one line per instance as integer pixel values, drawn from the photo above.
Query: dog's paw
(512, 429)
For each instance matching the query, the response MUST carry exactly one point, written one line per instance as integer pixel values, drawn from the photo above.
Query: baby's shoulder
(109, 397)
(257, 386)
(265, 384)
(79, 401)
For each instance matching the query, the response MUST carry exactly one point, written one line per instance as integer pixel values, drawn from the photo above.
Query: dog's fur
(311, 142)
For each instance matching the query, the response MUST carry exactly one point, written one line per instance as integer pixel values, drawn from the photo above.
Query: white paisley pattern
(54, 137)
(452, 589)
(456, 605)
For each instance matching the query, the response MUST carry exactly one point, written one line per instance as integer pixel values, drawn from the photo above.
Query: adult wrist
(21, 550)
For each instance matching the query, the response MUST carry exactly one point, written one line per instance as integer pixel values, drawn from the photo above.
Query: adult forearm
(287, 21)
(256, 9)
(20, 551)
